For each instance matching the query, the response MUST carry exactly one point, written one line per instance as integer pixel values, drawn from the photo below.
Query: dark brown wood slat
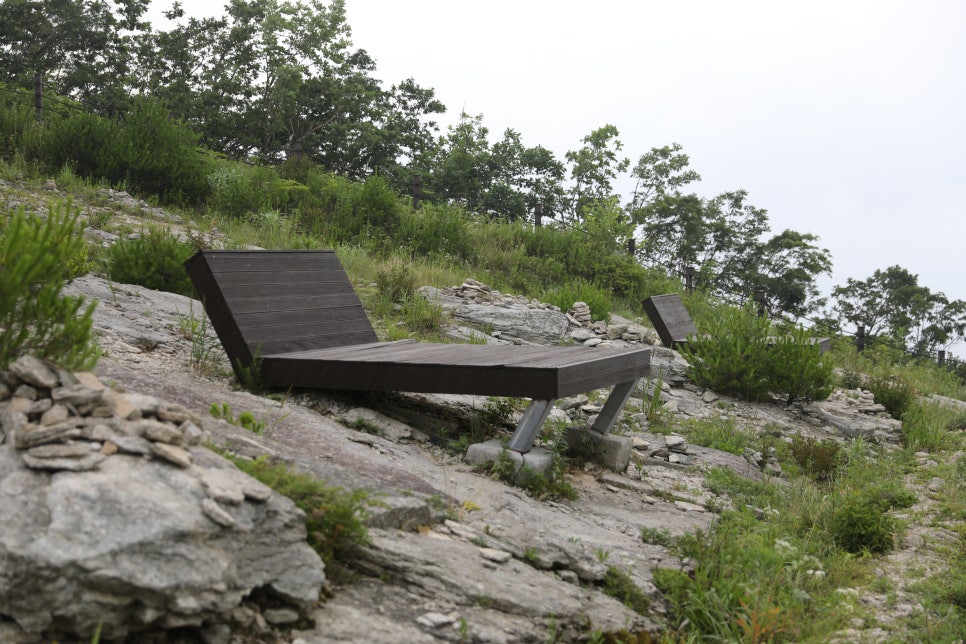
(243, 261)
(325, 338)
(281, 277)
(270, 346)
(311, 318)
(281, 303)
(456, 379)
(258, 291)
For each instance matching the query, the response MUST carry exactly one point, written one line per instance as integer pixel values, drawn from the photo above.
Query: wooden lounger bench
(298, 313)
(674, 325)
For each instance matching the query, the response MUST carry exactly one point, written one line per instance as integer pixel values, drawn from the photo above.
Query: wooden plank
(670, 319)
(283, 303)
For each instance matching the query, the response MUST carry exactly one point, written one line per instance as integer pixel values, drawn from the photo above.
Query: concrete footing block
(610, 450)
(485, 454)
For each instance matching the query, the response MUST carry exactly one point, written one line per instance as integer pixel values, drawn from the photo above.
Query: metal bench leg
(533, 417)
(612, 408)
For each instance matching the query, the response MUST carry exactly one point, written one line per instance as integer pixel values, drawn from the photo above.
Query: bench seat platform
(296, 313)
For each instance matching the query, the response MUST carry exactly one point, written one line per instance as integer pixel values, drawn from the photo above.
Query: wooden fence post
(760, 301)
(538, 215)
(942, 358)
(631, 246)
(689, 279)
(860, 338)
(417, 189)
(39, 96)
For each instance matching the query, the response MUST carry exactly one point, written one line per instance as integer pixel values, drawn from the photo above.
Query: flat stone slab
(537, 459)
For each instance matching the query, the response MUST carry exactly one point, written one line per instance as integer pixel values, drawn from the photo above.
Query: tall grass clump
(154, 259)
(928, 426)
(35, 317)
(20, 133)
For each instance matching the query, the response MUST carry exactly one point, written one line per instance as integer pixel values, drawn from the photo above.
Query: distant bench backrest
(271, 302)
(670, 319)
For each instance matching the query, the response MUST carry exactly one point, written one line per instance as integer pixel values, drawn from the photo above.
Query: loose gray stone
(69, 449)
(498, 556)
(81, 464)
(172, 453)
(76, 395)
(55, 415)
(32, 435)
(280, 616)
(222, 485)
(34, 371)
(26, 391)
(155, 430)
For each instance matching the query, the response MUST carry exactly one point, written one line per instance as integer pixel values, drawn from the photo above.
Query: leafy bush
(860, 522)
(732, 357)
(145, 149)
(818, 459)
(581, 291)
(35, 318)
(894, 393)
(796, 368)
(396, 283)
(238, 190)
(20, 133)
(737, 357)
(154, 260)
(438, 230)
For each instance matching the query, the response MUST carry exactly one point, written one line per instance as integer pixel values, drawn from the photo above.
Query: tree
(522, 178)
(888, 304)
(659, 172)
(82, 49)
(593, 169)
(461, 170)
(716, 237)
(787, 267)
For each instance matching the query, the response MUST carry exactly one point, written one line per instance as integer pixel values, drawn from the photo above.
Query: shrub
(34, 317)
(797, 370)
(894, 393)
(731, 359)
(859, 522)
(737, 357)
(438, 230)
(145, 149)
(818, 459)
(396, 283)
(154, 259)
(20, 133)
(238, 190)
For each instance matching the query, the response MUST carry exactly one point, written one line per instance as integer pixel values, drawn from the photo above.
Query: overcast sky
(845, 119)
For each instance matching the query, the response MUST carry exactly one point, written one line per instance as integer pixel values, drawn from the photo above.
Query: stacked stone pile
(66, 421)
(116, 520)
(580, 314)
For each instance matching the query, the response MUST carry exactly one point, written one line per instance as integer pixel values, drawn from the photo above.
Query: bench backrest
(269, 302)
(670, 319)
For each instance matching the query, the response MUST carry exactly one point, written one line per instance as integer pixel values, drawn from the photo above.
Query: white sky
(842, 118)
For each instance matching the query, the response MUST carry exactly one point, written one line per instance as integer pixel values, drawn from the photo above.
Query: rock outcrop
(116, 519)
